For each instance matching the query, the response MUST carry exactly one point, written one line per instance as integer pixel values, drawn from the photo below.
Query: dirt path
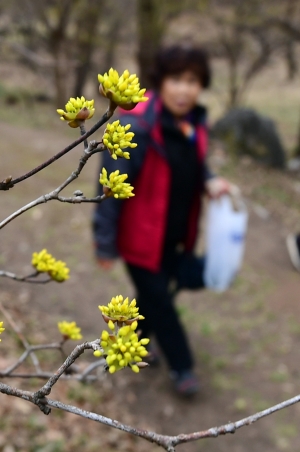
(246, 341)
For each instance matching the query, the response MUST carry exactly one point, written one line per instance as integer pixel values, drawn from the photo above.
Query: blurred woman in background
(155, 232)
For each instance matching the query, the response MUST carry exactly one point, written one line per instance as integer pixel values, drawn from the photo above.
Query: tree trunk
(57, 37)
(150, 32)
(60, 81)
(87, 30)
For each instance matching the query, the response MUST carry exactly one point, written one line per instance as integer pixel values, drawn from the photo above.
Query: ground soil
(246, 341)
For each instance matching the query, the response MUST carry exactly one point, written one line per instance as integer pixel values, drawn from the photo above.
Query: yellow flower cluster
(123, 90)
(69, 330)
(1, 328)
(77, 111)
(59, 271)
(120, 310)
(115, 185)
(45, 262)
(122, 349)
(115, 139)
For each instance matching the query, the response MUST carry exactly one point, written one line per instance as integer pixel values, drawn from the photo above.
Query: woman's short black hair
(176, 59)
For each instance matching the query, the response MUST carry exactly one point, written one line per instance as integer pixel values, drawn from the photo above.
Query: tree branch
(231, 427)
(286, 26)
(39, 397)
(166, 442)
(8, 182)
(22, 338)
(46, 375)
(79, 349)
(31, 349)
(54, 195)
(27, 278)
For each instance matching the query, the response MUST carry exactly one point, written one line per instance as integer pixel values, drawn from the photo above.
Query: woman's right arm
(106, 214)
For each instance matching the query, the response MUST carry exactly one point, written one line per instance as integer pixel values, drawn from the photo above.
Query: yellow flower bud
(77, 111)
(69, 330)
(122, 347)
(113, 139)
(112, 369)
(104, 335)
(115, 186)
(120, 89)
(111, 325)
(133, 326)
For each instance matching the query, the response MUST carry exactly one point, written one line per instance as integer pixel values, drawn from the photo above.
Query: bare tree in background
(150, 32)
(153, 18)
(58, 37)
(289, 25)
(241, 36)
(87, 22)
(65, 39)
(244, 41)
(290, 46)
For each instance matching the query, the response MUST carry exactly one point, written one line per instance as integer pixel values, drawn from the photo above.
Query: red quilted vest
(143, 219)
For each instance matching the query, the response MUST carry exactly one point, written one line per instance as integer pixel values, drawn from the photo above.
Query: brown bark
(150, 32)
(57, 36)
(86, 42)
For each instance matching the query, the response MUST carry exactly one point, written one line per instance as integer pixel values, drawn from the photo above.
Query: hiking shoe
(293, 247)
(185, 382)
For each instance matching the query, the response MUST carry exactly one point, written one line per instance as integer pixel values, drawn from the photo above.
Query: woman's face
(180, 92)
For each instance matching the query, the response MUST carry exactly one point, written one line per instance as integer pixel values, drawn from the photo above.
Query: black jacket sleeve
(106, 214)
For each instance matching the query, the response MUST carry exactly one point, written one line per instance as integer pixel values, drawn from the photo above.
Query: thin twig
(8, 183)
(47, 375)
(82, 133)
(79, 376)
(8, 371)
(80, 199)
(30, 349)
(231, 427)
(46, 389)
(22, 338)
(91, 367)
(27, 278)
(92, 148)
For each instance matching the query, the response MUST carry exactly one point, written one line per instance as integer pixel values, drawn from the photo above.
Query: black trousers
(155, 298)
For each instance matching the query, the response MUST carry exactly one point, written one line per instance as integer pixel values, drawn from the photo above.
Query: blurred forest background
(62, 44)
(51, 50)
(247, 340)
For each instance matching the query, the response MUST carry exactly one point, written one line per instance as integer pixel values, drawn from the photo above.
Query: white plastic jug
(225, 241)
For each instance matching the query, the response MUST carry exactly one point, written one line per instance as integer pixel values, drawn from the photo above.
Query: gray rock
(245, 132)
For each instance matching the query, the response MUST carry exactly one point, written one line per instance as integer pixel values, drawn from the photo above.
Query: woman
(155, 231)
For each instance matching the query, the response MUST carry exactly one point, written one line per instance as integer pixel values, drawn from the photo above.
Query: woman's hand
(217, 186)
(105, 264)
